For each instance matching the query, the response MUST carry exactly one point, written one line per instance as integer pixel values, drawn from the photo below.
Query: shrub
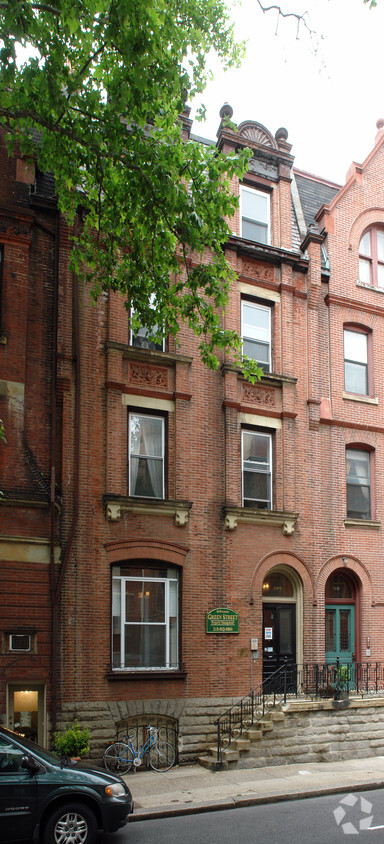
(73, 741)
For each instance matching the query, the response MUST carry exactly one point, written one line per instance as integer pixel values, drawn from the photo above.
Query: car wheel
(71, 824)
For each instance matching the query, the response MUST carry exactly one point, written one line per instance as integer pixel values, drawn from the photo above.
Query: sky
(324, 87)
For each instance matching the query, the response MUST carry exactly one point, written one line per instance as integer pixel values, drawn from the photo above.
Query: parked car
(45, 800)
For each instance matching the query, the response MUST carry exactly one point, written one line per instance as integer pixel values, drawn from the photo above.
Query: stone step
(212, 764)
(253, 734)
(241, 743)
(265, 725)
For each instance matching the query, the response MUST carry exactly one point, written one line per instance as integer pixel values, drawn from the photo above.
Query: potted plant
(73, 742)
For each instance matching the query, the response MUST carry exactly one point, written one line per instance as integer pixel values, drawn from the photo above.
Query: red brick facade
(69, 379)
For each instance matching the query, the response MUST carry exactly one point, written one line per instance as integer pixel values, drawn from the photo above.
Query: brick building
(142, 492)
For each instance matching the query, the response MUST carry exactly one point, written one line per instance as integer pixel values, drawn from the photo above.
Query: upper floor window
(358, 470)
(371, 257)
(146, 455)
(144, 617)
(141, 337)
(256, 333)
(356, 362)
(257, 470)
(254, 209)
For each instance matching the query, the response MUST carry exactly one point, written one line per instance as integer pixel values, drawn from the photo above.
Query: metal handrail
(327, 679)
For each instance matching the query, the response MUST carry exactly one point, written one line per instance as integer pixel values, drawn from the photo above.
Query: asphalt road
(318, 820)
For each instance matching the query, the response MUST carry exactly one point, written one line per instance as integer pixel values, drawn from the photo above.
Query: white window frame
(267, 309)
(351, 452)
(171, 660)
(363, 364)
(144, 456)
(257, 471)
(13, 636)
(265, 223)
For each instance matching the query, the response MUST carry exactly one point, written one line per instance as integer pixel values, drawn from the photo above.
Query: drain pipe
(57, 587)
(54, 632)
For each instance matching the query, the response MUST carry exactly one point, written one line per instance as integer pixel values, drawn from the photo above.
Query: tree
(101, 85)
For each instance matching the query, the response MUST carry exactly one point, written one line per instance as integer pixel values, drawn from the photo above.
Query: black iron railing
(314, 680)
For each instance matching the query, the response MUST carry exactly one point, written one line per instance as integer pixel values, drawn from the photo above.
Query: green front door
(339, 633)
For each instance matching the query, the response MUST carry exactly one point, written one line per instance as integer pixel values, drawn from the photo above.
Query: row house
(170, 535)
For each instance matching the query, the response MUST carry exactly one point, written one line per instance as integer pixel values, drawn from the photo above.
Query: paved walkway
(190, 788)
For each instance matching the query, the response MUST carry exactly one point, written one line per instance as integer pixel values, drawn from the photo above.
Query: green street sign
(222, 620)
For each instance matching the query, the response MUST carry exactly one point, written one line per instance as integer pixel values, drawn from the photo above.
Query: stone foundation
(195, 717)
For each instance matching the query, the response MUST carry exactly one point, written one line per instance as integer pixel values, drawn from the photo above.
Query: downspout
(57, 589)
(53, 474)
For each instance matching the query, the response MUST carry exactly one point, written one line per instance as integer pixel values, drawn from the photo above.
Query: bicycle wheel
(118, 758)
(162, 756)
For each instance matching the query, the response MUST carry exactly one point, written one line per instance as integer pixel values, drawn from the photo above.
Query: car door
(18, 794)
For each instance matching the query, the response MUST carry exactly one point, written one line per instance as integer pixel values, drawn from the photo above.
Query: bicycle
(121, 755)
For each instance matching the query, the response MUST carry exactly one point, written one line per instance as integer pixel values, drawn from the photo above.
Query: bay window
(144, 617)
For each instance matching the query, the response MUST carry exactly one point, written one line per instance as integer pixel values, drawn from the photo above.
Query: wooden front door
(279, 636)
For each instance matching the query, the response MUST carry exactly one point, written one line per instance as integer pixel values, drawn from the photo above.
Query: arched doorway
(282, 614)
(340, 618)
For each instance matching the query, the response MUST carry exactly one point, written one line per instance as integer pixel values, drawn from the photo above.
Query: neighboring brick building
(141, 491)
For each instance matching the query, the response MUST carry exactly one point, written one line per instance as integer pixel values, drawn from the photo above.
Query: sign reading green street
(222, 620)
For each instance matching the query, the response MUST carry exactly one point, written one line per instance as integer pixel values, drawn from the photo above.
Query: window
(19, 642)
(257, 470)
(371, 257)
(256, 333)
(146, 456)
(140, 338)
(356, 362)
(254, 209)
(144, 617)
(358, 484)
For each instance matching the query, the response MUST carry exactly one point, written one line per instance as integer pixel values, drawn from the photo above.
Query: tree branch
(299, 18)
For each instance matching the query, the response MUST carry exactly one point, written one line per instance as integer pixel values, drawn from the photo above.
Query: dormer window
(371, 257)
(255, 215)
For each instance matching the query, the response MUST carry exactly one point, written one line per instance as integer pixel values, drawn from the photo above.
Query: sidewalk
(190, 789)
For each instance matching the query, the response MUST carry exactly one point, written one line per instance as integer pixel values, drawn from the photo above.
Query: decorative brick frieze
(256, 394)
(146, 375)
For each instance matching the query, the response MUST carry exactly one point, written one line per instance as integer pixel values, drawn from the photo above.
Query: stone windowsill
(117, 505)
(358, 398)
(148, 355)
(369, 524)
(147, 674)
(247, 515)
(266, 378)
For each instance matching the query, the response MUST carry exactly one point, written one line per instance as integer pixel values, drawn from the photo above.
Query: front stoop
(241, 746)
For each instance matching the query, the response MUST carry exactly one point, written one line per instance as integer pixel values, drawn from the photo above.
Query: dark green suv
(44, 800)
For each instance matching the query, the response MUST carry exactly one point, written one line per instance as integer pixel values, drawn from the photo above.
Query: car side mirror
(30, 764)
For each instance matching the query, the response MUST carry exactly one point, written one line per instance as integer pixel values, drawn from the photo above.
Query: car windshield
(32, 747)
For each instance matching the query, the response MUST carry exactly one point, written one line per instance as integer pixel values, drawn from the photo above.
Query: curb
(251, 800)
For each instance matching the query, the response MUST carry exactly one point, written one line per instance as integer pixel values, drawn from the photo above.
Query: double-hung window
(146, 455)
(254, 209)
(358, 471)
(256, 333)
(144, 617)
(356, 362)
(142, 337)
(257, 470)
(371, 257)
